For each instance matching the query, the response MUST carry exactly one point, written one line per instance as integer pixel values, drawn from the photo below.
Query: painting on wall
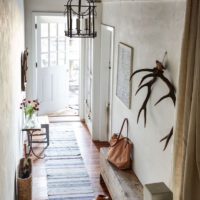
(124, 71)
(24, 68)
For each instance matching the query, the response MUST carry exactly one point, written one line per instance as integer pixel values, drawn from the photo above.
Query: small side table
(31, 132)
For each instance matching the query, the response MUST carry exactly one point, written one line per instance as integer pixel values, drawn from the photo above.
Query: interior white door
(52, 64)
(106, 82)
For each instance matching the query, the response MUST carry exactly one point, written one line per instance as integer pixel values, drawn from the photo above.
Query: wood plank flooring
(90, 154)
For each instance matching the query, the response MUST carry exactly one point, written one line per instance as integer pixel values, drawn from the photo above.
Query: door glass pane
(53, 29)
(61, 29)
(53, 58)
(44, 30)
(53, 44)
(73, 44)
(44, 60)
(74, 72)
(61, 58)
(61, 44)
(44, 45)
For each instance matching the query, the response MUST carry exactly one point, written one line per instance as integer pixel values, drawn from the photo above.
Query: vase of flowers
(30, 108)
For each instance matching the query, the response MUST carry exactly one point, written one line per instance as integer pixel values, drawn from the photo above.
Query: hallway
(89, 152)
(134, 59)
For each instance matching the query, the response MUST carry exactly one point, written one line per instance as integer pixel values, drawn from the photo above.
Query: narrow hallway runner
(67, 177)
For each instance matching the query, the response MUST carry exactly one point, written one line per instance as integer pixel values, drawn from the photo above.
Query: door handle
(108, 107)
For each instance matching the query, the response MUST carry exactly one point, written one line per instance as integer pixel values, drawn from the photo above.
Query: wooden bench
(122, 184)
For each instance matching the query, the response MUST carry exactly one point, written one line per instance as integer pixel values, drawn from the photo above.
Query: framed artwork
(124, 71)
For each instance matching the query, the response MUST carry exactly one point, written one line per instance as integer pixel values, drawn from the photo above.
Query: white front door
(52, 64)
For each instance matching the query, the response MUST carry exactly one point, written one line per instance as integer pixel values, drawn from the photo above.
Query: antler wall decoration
(155, 73)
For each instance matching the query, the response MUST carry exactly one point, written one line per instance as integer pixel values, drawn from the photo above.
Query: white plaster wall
(151, 28)
(11, 46)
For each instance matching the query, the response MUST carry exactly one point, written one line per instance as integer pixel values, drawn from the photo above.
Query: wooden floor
(90, 154)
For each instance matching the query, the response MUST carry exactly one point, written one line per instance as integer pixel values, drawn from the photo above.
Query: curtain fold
(186, 177)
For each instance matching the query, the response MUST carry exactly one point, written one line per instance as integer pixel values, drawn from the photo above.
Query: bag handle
(123, 124)
(122, 127)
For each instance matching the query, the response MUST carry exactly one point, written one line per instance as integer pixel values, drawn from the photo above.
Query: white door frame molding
(82, 82)
(106, 122)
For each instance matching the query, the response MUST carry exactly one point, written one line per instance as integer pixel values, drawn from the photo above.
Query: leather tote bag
(120, 150)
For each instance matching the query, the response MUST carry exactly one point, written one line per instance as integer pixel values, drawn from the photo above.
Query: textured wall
(151, 28)
(11, 46)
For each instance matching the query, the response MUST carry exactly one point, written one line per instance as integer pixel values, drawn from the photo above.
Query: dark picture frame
(24, 68)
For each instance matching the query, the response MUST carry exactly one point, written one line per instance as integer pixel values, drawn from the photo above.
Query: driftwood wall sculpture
(155, 73)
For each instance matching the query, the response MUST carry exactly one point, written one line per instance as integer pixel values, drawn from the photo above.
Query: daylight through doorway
(58, 71)
(72, 105)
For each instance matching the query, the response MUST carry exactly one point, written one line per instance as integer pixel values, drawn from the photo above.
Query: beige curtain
(187, 134)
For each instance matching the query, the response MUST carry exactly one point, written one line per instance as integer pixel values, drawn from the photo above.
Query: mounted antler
(155, 73)
(143, 108)
(167, 138)
(171, 93)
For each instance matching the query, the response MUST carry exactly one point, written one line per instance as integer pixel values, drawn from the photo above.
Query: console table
(41, 129)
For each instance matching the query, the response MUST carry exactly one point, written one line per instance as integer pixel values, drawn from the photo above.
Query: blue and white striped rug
(67, 176)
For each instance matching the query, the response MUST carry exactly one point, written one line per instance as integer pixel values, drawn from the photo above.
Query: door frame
(32, 93)
(111, 29)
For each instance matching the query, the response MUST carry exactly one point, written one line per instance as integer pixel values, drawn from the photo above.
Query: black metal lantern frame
(80, 19)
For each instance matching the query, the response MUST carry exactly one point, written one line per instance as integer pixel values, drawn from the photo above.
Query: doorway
(58, 67)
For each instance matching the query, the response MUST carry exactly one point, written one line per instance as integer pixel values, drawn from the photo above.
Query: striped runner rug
(67, 177)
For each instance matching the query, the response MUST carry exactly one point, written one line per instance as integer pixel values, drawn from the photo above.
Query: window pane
(61, 29)
(44, 45)
(53, 58)
(73, 49)
(53, 30)
(44, 60)
(53, 44)
(73, 43)
(61, 58)
(73, 72)
(44, 30)
(61, 44)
